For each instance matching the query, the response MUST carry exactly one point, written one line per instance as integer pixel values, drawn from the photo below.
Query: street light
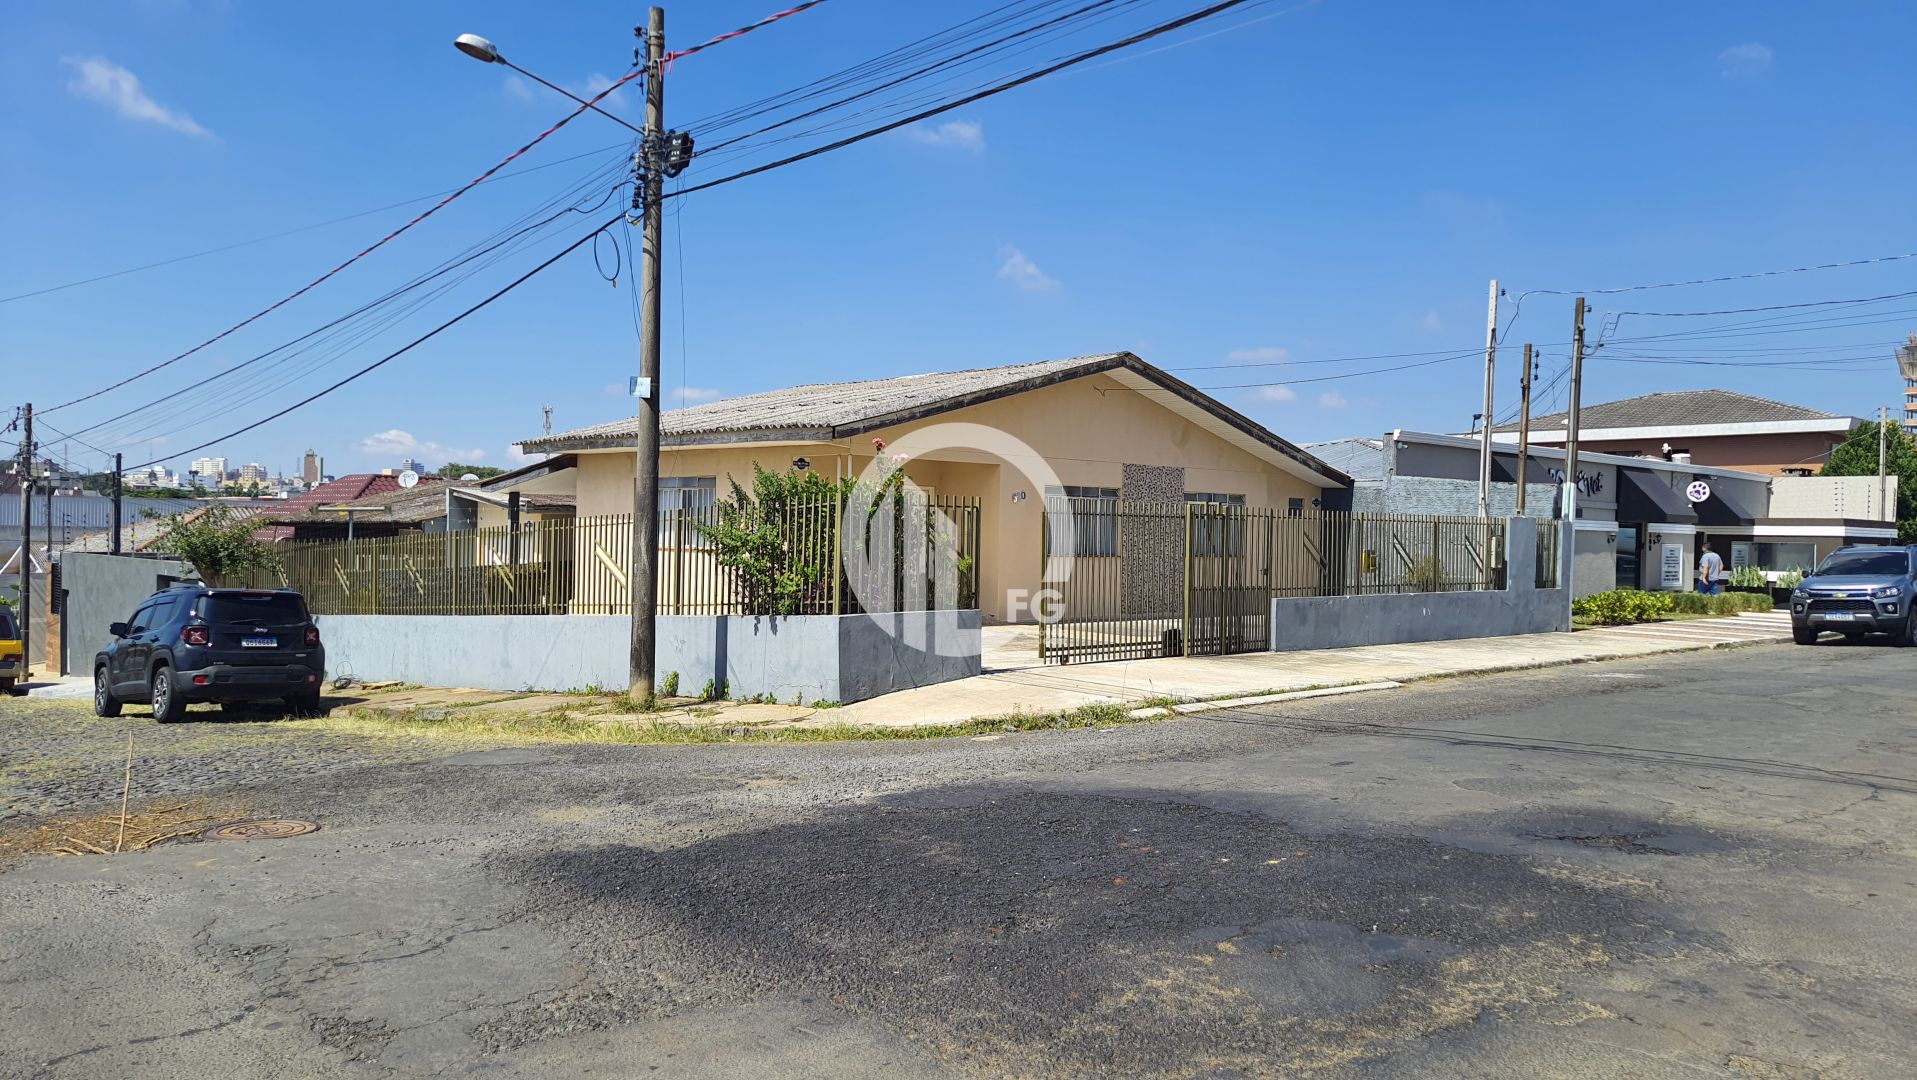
(486, 52)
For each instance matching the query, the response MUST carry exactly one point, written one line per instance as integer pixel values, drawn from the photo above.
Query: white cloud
(520, 89)
(690, 394)
(1746, 61)
(519, 457)
(963, 134)
(1277, 394)
(1432, 324)
(99, 79)
(1331, 400)
(1023, 272)
(1264, 354)
(399, 443)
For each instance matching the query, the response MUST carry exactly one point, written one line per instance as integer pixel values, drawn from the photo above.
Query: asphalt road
(1679, 867)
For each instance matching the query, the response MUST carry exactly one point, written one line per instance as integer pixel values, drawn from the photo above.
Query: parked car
(13, 656)
(1858, 591)
(193, 643)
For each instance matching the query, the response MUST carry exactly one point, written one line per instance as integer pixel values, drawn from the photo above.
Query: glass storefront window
(1785, 556)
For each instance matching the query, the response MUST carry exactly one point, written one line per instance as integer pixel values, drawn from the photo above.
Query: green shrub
(1691, 603)
(1621, 606)
(669, 686)
(1749, 577)
(1792, 579)
(1734, 602)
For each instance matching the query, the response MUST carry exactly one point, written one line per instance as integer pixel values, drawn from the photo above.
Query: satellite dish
(468, 478)
(408, 478)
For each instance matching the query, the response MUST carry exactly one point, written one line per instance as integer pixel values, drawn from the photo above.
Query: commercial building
(1720, 428)
(1640, 520)
(312, 469)
(210, 468)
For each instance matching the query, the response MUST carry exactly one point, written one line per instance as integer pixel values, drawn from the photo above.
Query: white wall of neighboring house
(1856, 498)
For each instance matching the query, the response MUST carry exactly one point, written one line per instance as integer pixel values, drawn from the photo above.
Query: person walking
(1709, 565)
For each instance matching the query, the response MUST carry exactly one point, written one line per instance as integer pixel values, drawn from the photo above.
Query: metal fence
(1550, 552)
(582, 565)
(1170, 579)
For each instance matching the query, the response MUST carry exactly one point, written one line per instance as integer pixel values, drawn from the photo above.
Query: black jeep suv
(192, 643)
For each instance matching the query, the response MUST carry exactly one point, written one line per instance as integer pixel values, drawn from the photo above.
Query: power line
(1033, 76)
(402, 350)
(1726, 277)
(429, 212)
(1768, 307)
(730, 34)
(293, 232)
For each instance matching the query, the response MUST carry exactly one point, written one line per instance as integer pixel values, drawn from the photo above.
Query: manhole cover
(262, 829)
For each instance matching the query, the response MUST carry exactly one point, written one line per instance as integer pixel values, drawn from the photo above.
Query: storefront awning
(1642, 497)
(1724, 507)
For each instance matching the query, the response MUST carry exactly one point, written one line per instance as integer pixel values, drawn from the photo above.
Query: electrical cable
(1033, 76)
(1726, 277)
(730, 34)
(402, 350)
(292, 232)
(429, 212)
(226, 391)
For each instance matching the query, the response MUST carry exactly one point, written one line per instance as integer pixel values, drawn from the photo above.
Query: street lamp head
(477, 47)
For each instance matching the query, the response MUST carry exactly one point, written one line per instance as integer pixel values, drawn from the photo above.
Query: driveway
(1681, 866)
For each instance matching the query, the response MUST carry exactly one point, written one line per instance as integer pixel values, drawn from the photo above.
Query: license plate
(1838, 616)
(259, 643)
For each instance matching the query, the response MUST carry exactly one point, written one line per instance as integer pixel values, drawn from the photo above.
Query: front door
(1628, 557)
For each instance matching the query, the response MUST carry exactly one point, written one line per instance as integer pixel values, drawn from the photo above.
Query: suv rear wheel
(168, 706)
(104, 703)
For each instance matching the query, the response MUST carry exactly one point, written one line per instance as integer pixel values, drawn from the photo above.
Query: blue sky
(1338, 180)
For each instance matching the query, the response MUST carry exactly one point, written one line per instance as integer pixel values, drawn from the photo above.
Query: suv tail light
(193, 635)
(312, 635)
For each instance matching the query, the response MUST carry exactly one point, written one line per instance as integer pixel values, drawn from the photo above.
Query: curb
(1156, 712)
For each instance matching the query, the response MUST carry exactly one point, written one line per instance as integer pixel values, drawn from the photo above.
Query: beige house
(1106, 426)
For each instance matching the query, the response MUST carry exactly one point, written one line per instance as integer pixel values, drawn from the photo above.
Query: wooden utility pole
(643, 585)
(1524, 427)
(118, 464)
(26, 542)
(1490, 384)
(1571, 430)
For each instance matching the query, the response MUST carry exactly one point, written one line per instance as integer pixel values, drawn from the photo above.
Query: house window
(1093, 517)
(1294, 508)
(1223, 534)
(1786, 556)
(686, 502)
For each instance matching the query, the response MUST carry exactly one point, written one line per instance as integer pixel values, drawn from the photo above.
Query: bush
(1791, 580)
(1734, 602)
(669, 686)
(1691, 603)
(219, 544)
(1749, 577)
(1621, 606)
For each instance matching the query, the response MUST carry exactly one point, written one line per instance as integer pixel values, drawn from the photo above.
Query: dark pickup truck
(1858, 591)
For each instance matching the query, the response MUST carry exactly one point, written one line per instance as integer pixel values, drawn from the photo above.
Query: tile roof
(1679, 408)
(829, 411)
(344, 489)
(820, 409)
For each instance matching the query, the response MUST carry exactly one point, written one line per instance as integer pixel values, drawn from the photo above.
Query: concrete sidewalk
(1015, 683)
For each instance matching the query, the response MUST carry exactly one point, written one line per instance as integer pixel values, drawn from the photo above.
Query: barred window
(686, 502)
(1221, 535)
(1094, 518)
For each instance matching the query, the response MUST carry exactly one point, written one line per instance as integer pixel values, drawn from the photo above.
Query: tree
(1858, 457)
(777, 540)
(453, 470)
(218, 543)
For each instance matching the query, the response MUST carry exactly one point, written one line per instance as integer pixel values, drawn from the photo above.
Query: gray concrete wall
(102, 590)
(802, 658)
(1338, 622)
(1594, 566)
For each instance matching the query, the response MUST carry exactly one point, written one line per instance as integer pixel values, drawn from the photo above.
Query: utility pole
(1571, 431)
(1524, 427)
(1883, 422)
(26, 543)
(1490, 383)
(650, 191)
(118, 463)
